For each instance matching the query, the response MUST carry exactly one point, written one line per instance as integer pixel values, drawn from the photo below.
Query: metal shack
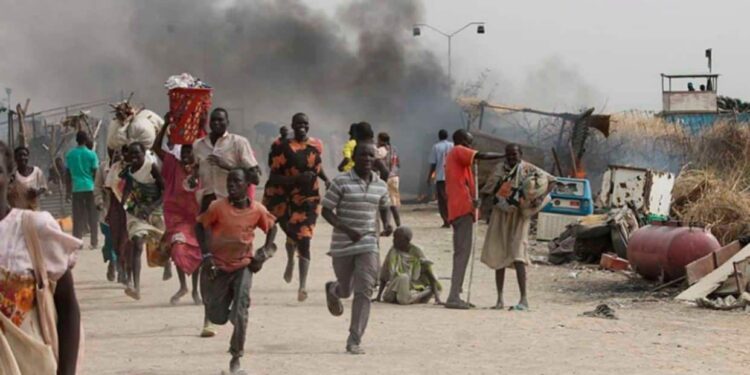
(692, 101)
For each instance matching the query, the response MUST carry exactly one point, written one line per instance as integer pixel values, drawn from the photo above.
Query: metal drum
(661, 251)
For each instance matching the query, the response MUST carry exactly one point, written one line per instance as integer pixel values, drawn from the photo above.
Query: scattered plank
(715, 279)
(703, 266)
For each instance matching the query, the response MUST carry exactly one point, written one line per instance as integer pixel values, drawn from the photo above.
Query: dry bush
(724, 147)
(704, 197)
(713, 190)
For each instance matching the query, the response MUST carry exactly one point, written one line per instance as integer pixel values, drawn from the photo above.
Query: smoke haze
(265, 59)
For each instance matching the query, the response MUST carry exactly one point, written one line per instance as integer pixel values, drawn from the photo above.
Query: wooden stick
(21, 131)
(666, 285)
(573, 159)
(557, 162)
(96, 132)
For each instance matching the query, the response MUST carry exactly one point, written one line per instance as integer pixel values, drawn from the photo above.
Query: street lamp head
(8, 90)
(416, 31)
(480, 29)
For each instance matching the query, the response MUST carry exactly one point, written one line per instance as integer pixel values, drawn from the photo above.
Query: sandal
(518, 307)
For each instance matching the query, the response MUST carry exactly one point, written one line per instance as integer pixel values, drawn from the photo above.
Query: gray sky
(618, 47)
(551, 54)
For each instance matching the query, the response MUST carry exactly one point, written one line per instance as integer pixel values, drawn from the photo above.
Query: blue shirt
(437, 157)
(82, 164)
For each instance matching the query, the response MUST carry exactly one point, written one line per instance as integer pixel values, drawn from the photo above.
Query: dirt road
(652, 335)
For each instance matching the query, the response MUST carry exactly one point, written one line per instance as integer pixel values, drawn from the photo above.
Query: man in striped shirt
(351, 206)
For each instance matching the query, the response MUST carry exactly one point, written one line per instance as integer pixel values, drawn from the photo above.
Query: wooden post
(557, 162)
(574, 164)
(21, 111)
(10, 128)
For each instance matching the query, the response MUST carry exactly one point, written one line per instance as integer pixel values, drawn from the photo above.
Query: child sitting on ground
(406, 276)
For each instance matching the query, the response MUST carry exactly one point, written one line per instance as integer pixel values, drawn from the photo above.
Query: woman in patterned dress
(293, 196)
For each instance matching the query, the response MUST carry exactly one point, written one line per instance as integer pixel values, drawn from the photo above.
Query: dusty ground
(652, 335)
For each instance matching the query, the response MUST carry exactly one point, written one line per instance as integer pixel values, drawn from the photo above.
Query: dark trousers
(85, 214)
(226, 298)
(356, 273)
(442, 199)
(462, 233)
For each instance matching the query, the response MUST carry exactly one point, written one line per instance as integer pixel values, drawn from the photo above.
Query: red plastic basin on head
(661, 251)
(188, 108)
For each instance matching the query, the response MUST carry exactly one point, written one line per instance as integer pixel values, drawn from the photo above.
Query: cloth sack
(142, 128)
(21, 353)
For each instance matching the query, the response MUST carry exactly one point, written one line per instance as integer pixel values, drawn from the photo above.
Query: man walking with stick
(460, 187)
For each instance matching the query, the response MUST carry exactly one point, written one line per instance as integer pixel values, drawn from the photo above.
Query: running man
(351, 205)
(217, 154)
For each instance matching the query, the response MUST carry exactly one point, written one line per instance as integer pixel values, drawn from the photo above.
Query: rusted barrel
(662, 250)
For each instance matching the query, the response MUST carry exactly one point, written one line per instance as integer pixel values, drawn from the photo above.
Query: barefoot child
(144, 189)
(406, 276)
(226, 233)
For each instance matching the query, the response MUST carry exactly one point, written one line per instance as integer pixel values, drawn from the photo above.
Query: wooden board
(727, 252)
(714, 280)
(701, 267)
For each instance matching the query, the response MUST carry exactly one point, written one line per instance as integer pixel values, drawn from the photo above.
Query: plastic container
(571, 196)
(188, 108)
(661, 251)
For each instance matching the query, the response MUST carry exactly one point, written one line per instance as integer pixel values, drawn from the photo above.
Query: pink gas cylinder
(661, 251)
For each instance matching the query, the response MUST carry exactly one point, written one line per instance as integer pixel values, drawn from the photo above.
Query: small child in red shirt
(226, 239)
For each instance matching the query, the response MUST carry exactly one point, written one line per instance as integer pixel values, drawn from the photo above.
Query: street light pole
(417, 32)
(8, 90)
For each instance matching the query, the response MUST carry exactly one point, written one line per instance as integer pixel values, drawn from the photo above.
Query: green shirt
(82, 164)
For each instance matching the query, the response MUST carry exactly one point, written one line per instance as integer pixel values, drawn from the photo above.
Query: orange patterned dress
(296, 207)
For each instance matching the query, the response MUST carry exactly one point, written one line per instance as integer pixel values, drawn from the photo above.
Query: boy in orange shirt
(227, 246)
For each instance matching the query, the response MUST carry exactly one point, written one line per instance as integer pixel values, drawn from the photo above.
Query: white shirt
(58, 248)
(232, 148)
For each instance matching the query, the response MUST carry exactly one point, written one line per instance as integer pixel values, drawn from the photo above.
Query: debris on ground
(593, 236)
(602, 311)
(726, 303)
(699, 268)
(612, 262)
(726, 279)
